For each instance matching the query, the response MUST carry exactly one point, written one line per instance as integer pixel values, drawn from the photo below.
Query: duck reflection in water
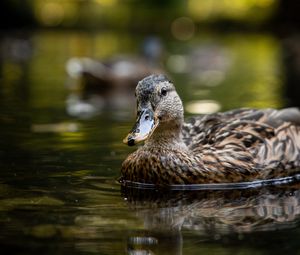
(96, 84)
(212, 215)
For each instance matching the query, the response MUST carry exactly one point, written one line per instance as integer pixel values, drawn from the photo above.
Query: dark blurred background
(211, 48)
(68, 69)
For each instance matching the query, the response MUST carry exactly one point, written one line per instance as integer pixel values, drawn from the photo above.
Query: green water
(58, 188)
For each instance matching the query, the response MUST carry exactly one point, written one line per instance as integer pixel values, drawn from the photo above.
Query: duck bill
(144, 126)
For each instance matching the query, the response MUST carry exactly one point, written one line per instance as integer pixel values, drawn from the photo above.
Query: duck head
(159, 109)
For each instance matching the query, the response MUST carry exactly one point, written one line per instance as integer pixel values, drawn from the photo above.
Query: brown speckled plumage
(235, 146)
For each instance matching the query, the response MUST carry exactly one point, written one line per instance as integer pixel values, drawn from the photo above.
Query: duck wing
(199, 130)
(267, 138)
(282, 149)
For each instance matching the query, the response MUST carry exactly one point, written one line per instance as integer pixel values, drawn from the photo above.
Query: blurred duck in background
(95, 85)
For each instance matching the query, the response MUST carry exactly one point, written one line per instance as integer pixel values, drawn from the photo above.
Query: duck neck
(167, 135)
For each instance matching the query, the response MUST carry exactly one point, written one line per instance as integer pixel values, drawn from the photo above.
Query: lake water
(58, 180)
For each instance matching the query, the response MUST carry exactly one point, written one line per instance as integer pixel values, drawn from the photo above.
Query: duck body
(236, 146)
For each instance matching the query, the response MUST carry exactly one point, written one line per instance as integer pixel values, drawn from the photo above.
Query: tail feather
(283, 149)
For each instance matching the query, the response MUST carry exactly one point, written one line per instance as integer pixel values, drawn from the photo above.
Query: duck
(240, 145)
(121, 71)
(97, 85)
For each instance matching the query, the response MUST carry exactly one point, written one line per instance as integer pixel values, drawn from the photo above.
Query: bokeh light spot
(203, 106)
(264, 3)
(51, 14)
(183, 28)
(177, 63)
(106, 2)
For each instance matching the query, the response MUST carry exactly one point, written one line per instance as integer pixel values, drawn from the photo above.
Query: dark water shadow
(209, 214)
(215, 186)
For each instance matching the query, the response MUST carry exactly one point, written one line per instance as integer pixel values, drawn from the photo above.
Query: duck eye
(163, 91)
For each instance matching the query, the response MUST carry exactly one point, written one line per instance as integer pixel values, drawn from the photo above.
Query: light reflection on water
(58, 185)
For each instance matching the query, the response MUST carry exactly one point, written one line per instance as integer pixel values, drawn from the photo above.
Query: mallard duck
(236, 146)
(97, 85)
(120, 72)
